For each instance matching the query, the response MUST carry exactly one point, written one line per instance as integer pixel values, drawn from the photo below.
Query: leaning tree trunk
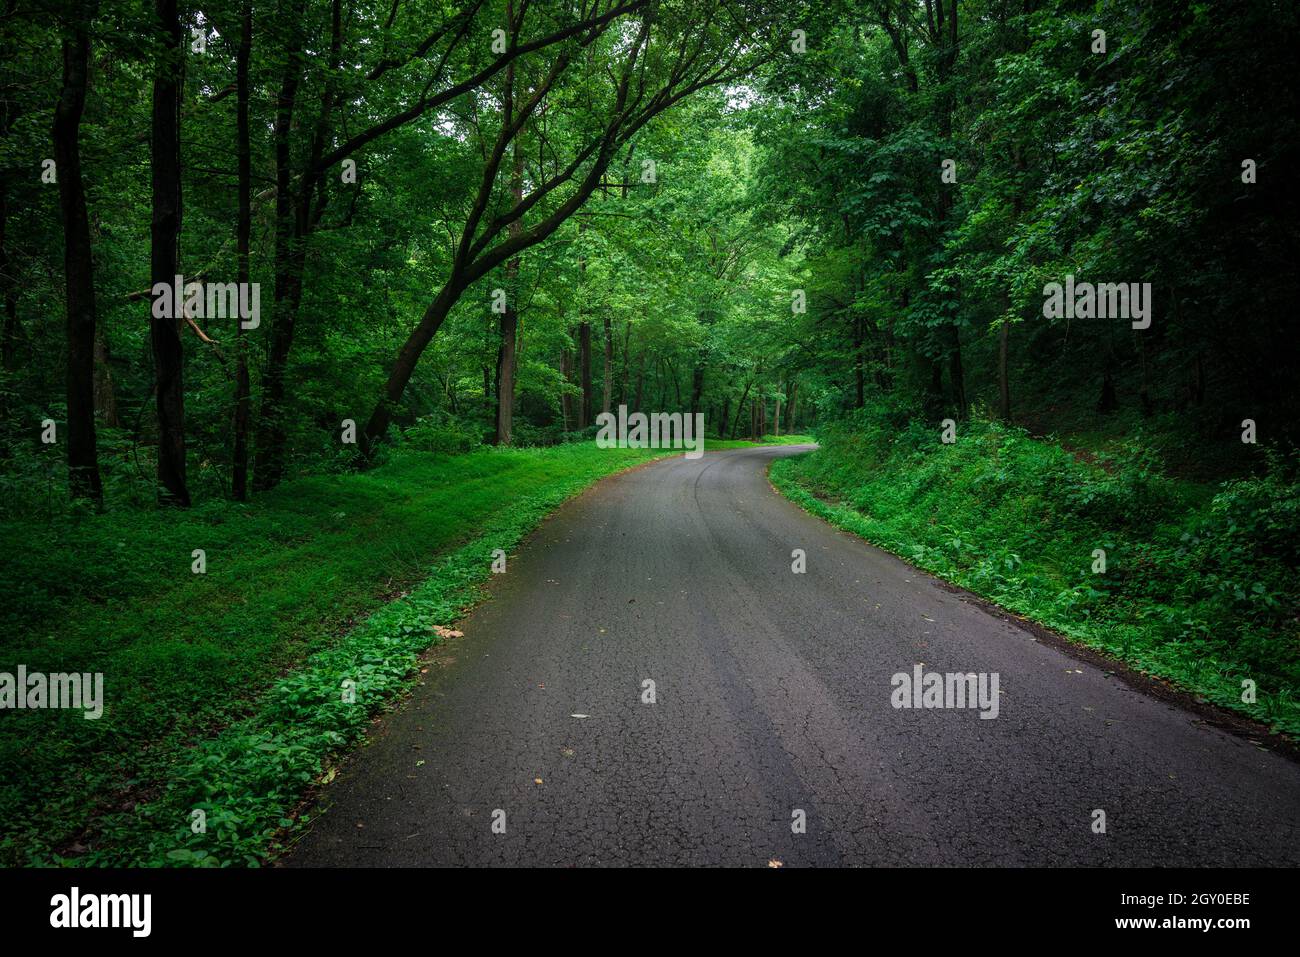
(165, 333)
(83, 458)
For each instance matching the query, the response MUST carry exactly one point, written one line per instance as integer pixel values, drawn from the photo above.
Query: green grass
(1202, 583)
(222, 689)
(716, 445)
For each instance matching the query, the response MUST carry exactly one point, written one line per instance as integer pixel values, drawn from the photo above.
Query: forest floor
(213, 682)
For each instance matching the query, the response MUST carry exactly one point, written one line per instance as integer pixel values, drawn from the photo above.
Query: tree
(165, 231)
(78, 268)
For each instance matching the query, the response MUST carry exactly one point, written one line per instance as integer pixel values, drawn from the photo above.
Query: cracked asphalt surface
(773, 694)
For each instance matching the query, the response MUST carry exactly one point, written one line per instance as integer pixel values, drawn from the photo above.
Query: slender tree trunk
(165, 333)
(776, 418)
(740, 410)
(697, 388)
(83, 458)
(243, 233)
(794, 394)
(584, 338)
(289, 257)
(509, 318)
(566, 376)
(640, 380)
(627, 345)
(609, 364)
(584, 373)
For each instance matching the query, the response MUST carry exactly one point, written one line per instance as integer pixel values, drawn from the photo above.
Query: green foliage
(1201, 586)
(433, 433)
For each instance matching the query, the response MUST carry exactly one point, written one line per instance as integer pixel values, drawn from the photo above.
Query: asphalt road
(773, 695)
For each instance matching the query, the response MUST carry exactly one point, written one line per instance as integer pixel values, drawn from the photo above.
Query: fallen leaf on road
(775, 863)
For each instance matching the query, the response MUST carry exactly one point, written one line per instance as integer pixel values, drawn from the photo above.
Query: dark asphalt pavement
(773, 694)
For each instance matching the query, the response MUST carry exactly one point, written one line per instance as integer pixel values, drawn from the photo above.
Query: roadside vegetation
(1201, 580)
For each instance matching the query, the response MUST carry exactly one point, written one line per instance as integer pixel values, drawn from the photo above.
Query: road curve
(772, 696)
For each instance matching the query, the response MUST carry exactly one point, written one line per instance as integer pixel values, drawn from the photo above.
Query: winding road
(772, 696)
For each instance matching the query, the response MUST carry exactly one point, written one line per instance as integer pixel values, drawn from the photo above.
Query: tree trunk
(790, 413)
(697, 388)
(407, 358)
(609, 364)
(509, 318)
(83, 458)
(627, 345)
(640, 380)
(289, 258)
(584, 373)
(165, 230)
(566, 376)
(776, 418)
(243, 232)
(740, 410)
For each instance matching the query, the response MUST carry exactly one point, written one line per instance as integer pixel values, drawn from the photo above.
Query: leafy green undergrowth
(1201, 584)
(223, 690)
(718, 445)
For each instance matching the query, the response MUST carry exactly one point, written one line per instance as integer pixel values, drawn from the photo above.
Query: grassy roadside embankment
(1201, 583)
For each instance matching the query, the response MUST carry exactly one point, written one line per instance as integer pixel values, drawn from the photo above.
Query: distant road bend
(773, 697)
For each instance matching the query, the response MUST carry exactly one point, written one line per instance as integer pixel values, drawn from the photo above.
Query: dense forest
(487, 224)
(1028, 265)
